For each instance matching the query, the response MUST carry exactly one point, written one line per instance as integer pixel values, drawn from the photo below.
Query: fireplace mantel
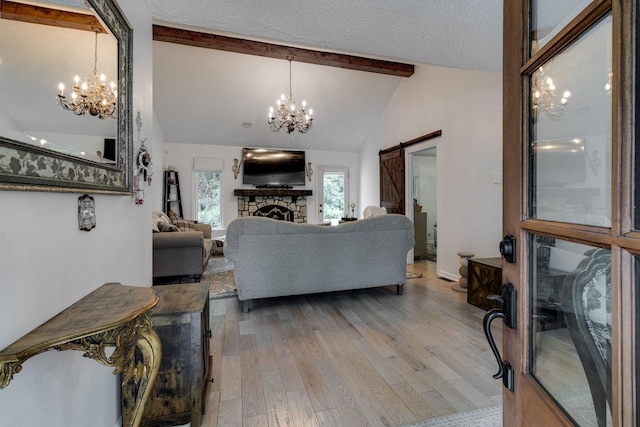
(266, 192)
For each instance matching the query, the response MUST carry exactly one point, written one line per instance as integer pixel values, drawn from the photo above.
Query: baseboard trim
(448, 276)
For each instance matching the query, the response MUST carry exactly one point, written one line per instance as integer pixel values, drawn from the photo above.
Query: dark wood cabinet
(484, 279)
(181, 319)
(420, 234)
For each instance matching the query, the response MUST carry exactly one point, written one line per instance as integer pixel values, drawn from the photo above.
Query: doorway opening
(422, 199)
(333, 193)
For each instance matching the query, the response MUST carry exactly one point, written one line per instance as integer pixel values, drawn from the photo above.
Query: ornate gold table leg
(149, 346)
(143, 375)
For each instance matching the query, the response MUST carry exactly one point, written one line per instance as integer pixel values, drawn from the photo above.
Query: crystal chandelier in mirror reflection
(93, 96)
(544, 98)
(289, 115)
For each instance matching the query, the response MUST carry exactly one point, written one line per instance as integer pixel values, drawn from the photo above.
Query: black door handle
(508, 248)
(508, 315)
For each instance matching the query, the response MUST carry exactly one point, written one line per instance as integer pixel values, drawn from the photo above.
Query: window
(208, 198)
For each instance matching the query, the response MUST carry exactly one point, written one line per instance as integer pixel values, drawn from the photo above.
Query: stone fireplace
(276, 212)
(282, 204)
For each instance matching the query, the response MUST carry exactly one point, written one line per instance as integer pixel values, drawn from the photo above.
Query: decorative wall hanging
(309, 171)
(143, 161)
(235, 168)
(86, 212)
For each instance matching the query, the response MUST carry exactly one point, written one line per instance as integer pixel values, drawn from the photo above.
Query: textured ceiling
(454, 33)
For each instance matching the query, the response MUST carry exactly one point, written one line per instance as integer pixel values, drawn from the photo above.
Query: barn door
(392, 180)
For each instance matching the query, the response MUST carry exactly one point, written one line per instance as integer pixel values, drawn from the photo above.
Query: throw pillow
(157, 219)
(370, 211)
(184, 224)
(167, 228)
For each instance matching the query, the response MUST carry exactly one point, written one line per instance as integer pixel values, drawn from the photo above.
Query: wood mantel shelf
(251, 192)
(112, 315)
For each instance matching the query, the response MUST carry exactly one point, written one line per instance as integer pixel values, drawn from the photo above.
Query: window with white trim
(208, 191)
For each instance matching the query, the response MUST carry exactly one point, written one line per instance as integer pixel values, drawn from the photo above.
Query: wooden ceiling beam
(47, 16)
(270, 50)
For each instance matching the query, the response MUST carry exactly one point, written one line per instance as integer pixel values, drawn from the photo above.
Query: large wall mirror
(44, 147)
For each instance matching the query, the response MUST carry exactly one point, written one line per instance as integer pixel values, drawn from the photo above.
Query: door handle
(508, 316)
(508, 248)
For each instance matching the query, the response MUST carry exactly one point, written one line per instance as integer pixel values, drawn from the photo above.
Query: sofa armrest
(178, 239)
(205, 229)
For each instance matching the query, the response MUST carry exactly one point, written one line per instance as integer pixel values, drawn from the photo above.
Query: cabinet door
(170, 400)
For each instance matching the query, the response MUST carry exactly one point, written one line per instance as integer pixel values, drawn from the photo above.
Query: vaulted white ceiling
(203, 96)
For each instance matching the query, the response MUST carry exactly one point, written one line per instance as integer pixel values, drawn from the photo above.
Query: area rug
(221, 285)
(218, 265)
(219, 275)
(483, 417)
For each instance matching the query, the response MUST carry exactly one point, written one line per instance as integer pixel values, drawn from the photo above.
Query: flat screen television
(273, 168)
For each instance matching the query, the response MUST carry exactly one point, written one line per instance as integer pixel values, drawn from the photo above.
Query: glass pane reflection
(549, 17)
(571, 326)
(571, 132)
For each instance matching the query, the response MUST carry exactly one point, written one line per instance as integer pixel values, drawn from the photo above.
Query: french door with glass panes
(570, 219)
(334, 193)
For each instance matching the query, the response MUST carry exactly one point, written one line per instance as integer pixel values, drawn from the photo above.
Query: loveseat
(274, 258)
(180, 247)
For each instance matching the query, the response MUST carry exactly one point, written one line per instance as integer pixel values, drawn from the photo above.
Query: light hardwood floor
(357, 358)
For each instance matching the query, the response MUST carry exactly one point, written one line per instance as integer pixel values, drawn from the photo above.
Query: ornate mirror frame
(28, 167)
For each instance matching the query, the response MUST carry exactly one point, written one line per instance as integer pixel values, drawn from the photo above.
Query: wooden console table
(112, 315)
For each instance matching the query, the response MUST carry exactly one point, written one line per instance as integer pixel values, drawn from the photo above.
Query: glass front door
(569, 201)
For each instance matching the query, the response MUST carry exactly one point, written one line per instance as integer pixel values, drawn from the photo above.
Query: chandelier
(92, 96)
(544, 97)
(289, 115)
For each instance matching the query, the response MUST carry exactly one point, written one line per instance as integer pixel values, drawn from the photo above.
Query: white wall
(181, 157)
(467, 107)
(47, 264)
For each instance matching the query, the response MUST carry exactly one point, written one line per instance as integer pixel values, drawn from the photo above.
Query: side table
(112, 315)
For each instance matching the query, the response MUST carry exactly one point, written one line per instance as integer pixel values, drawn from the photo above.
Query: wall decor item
(31, 166)
(309, 171)
(143, 161)
(86, 212)
(138, 192)
(235, 168)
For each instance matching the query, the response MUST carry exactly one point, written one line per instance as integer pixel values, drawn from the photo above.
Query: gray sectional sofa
(277, 258)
